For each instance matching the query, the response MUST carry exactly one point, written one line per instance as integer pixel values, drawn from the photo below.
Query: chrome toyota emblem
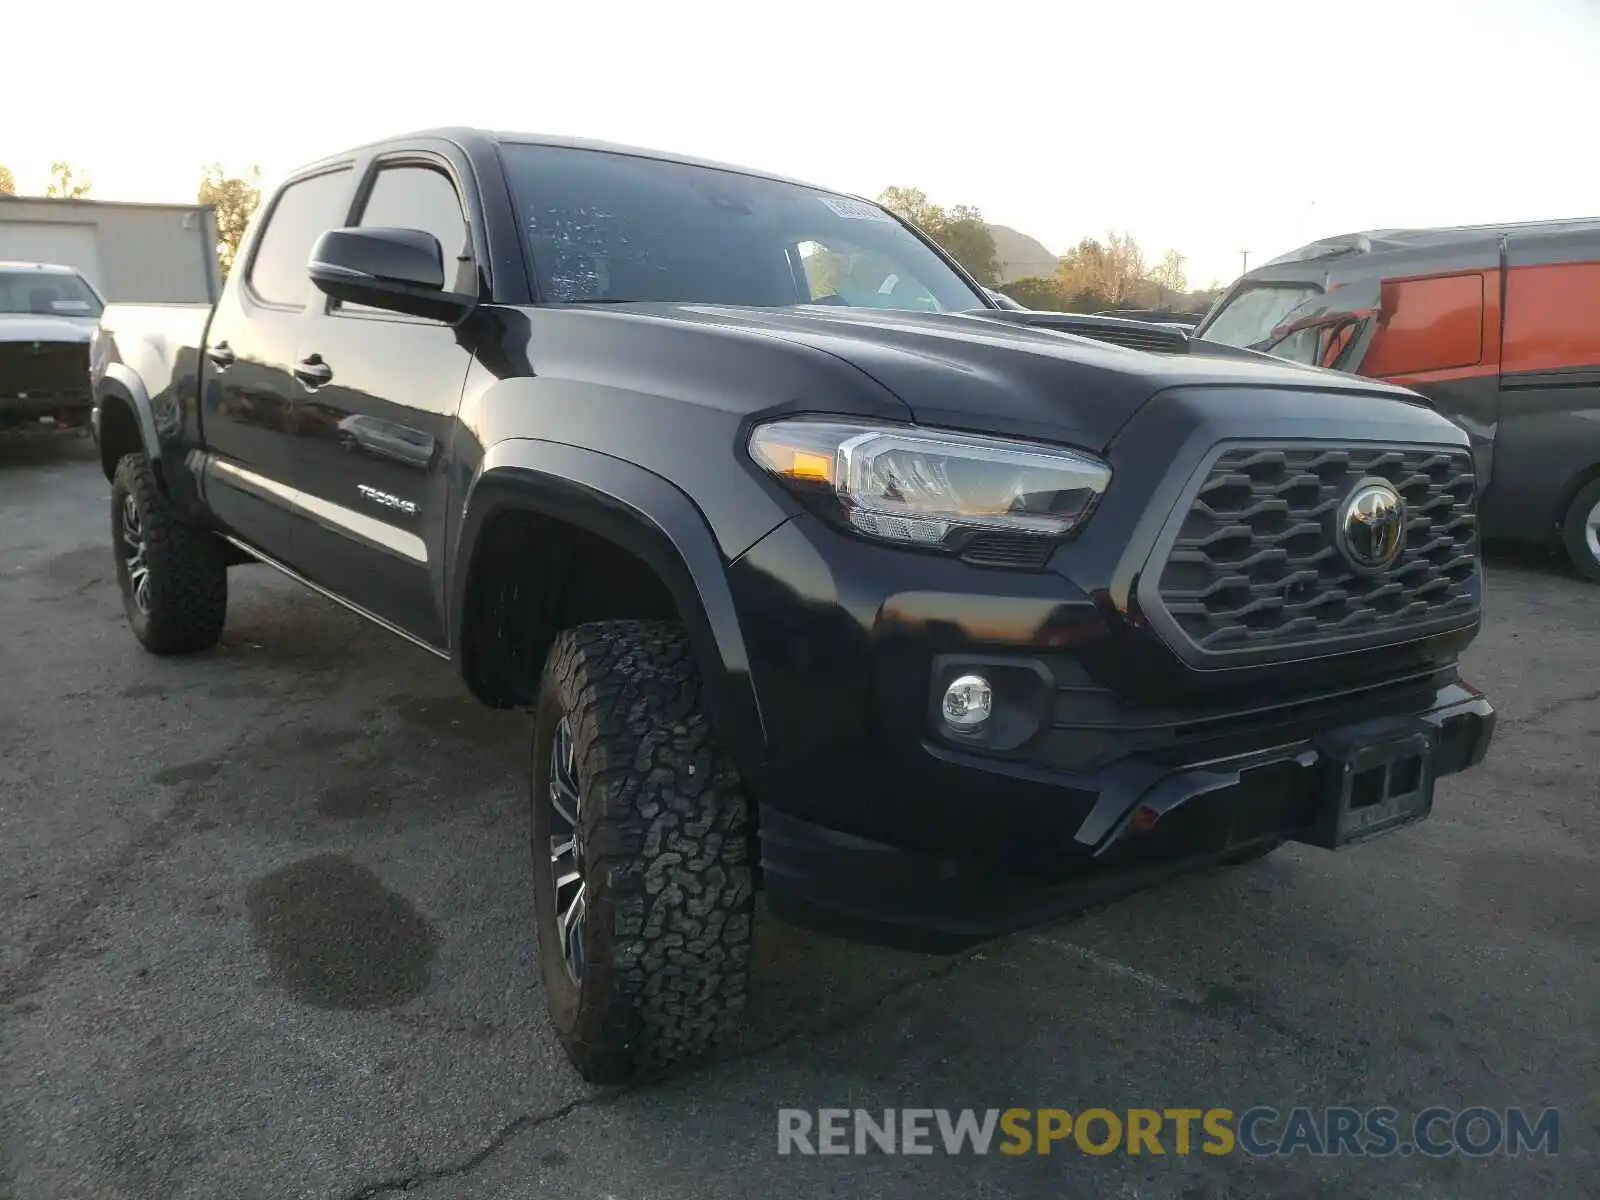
(1372, 526)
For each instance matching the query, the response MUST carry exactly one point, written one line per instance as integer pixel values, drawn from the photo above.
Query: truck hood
(28, 328)
(985, 373)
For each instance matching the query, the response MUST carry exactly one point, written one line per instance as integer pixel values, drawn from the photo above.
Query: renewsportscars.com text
(1260, 1131)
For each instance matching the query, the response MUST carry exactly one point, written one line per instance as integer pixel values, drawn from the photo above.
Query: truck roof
(1445, 237)
(469, 139)
(47, 268)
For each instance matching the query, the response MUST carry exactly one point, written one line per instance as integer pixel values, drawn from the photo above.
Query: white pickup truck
(47, 315)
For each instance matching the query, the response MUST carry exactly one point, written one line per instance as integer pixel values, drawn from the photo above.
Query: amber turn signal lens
(811, 466)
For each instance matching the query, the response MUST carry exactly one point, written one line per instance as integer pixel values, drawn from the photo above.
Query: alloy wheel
(566, 850)
(133, 551)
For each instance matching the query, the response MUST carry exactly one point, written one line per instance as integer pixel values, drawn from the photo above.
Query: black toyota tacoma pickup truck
(820, 573)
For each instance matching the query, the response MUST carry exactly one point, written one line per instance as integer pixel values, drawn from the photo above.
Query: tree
(1037, 293)
(912, 204)
(968, 240)
(1170, 276)
(1080, 277)
(8, 181)
(62, 185)
(1081, 268)
(1124, 268)
(235, 199)
(959, 230)
(1107, 273)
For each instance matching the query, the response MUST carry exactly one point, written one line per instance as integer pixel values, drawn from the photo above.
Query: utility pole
(1244, 262)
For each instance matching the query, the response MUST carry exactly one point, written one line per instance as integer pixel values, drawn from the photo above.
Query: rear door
(379, 393)
(248, 397)
(1548, 441)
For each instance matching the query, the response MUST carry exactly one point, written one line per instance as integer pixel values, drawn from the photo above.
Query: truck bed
(159, 328)
(138, 351)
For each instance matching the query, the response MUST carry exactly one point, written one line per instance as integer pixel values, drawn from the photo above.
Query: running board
(334, 596)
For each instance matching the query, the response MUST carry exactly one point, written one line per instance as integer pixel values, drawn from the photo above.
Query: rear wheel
(1581, 531)
(173, 579)
(642, 879)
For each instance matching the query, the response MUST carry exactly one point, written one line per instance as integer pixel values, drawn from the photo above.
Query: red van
(1498, 326)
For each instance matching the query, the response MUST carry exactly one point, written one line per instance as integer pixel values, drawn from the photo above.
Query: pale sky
(1208, 126)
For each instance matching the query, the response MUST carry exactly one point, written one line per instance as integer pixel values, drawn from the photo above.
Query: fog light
(967, 703)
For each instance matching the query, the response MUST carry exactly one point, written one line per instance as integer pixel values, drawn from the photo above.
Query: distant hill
(1020, 255)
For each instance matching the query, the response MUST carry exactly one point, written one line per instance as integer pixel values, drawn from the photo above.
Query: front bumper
(64, 408)
(878, 820)
(44, 379)
(1132, 824)
(877, 824)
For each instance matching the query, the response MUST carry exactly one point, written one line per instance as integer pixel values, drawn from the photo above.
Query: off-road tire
(1575, 533)
(188, 580)
(666, 863)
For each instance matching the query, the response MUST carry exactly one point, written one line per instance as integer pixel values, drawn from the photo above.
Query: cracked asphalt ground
(265, 932)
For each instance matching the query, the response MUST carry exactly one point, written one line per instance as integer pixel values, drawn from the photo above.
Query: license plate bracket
(1372, 789)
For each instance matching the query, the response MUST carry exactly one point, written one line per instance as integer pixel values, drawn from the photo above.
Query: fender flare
(120, 382)
(649, 517)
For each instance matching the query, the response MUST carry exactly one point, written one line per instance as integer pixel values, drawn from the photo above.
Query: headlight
(930, 487)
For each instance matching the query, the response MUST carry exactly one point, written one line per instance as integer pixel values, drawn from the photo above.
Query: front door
(378, 402)
(248, 401)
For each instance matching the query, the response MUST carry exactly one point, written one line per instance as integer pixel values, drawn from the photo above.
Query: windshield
(606, 227)
(1253, 314)
(46, 294)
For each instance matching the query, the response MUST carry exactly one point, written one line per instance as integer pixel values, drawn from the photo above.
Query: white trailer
(131, 253)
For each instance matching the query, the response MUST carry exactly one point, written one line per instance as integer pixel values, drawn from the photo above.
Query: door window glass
(304, 211)
(1253, 314)
(417, 197)
(1302, 346)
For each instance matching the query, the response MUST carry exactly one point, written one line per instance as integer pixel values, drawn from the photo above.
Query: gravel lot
(265, 931)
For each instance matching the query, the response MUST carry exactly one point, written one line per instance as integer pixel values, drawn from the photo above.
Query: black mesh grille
(45, 369)
(1256, 562)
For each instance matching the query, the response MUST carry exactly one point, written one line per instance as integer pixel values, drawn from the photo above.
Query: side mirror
(401, 270)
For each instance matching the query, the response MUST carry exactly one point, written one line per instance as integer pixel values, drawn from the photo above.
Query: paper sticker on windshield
(855, 210)
(70, 306)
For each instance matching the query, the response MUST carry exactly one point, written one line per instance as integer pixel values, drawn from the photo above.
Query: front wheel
(1581, 531)
(173, 578)
(642, 879)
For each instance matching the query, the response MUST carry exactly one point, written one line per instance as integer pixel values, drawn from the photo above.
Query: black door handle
(221, 354)
(313, 372)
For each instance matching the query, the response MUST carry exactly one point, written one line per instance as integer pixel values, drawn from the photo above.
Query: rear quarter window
(1428, 325)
